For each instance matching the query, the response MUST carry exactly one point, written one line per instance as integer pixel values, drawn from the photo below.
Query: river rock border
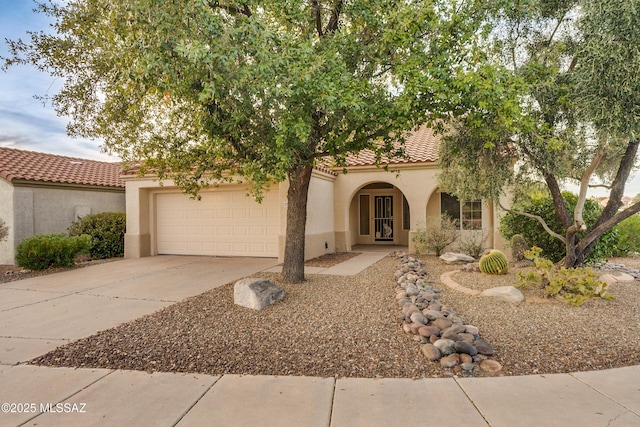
(442, 334)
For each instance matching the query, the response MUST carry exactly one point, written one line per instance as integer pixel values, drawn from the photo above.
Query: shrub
(50, 250)
(471, 245)
(554, 249)
(4, 230)
(573, 285)
(494, 262)
(107, 233)
(436, 235)
(629, 235)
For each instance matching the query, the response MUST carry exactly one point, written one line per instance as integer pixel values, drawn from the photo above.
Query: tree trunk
(293, 268)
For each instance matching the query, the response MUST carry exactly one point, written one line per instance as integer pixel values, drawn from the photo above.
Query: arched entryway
(379, 214)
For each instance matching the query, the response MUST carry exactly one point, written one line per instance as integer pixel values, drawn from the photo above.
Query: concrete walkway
(39, 314)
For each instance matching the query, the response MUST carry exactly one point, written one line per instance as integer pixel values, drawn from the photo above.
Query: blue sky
(27, 124)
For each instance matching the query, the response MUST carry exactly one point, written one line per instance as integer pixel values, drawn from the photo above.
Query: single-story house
(44, 193)
(368, 205)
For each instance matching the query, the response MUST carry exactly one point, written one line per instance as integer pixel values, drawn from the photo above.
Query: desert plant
(107, 233)
(437, 234)
(4, 230)
(518, 247)
(471, 244)
(50, 250)
(573, 285)
(494, 262)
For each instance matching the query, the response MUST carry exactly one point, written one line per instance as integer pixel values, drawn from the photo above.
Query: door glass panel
(365, 224)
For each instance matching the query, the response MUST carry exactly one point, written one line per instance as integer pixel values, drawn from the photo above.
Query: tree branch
(317, 14)
(584, 185)
(244, 10)
(537, 218)
(334, 21)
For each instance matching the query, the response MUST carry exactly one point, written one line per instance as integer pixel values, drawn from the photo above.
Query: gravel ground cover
(351, 327)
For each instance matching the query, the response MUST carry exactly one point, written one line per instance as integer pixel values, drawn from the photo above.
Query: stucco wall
(44, 209)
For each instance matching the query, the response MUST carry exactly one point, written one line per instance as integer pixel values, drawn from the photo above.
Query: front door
(383, 218)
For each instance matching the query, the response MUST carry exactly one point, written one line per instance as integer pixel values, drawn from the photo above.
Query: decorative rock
(434, 307)
(470, 329)
(466, 337)
(406, 328)
(256, 293)
(442, 323)
(427, 331)
(465, 358)
(450, 361)
(467, 366)
(456, 258)
(504, 293)
(418, 318)
(431, 352)
(445, 345)
(455, 328)
(432, 314)
(490, 366)
(415, 327)
(483, 347)
(465, 347)
(450, 335)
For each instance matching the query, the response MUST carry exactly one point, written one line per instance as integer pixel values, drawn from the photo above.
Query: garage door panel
(211, 226)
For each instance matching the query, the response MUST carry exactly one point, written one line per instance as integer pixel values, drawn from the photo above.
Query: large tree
(561, 104)
(205, 91)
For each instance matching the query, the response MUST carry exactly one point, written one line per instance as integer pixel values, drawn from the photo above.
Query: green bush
(471, 244)
(50, 250)
(107, 233)
(629, 231)
(535, 235)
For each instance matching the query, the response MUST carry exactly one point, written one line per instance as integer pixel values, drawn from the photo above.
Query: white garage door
(221, 223)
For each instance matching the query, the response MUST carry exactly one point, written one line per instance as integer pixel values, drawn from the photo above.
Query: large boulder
(456, 258)
(504, 293)
(256, 293)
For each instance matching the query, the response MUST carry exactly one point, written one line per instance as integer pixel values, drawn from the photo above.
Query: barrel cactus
(494, 262)
(518, 247)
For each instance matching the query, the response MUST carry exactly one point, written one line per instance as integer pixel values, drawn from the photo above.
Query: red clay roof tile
(43, 167)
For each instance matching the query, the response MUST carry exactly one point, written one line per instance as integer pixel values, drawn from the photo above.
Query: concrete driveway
(42, 313)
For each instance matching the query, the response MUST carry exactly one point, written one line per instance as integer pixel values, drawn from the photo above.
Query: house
(368, 205)
(44, 193)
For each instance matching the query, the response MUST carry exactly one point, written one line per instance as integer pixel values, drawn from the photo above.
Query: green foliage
(437, 234)
(42, 251)
(533, 232)
(107, 233)
(519, 246)
(573, 285)
(4, 230)
(494, 262)
(629, 235)
(471, 244)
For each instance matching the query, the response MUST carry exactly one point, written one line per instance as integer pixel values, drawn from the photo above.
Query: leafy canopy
(202, 90)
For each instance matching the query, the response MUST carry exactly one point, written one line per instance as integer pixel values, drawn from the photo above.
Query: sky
(28, 124)
(25, 122)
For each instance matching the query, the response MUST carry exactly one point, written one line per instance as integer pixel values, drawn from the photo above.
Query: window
(468, 214)
(406, 218)
(364, 215)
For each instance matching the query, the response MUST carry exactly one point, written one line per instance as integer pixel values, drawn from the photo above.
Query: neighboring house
(365, 206)
(44, 193)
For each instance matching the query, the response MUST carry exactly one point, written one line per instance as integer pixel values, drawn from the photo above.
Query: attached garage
(222, 223)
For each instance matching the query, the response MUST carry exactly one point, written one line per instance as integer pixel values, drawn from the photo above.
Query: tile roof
(41, 167)
(420, 146)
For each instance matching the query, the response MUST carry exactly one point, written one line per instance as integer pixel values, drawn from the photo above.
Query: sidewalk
(39, 314)
(100, 397)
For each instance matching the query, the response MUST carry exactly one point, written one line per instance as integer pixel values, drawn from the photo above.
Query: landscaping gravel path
(333, 326)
